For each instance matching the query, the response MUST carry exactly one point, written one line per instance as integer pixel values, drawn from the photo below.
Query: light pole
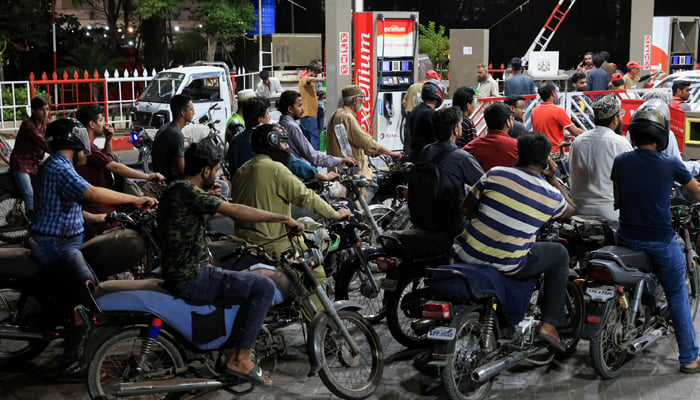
(53, 25)
(298, 5)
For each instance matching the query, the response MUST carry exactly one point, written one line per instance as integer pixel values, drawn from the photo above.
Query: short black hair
(605, 54)
(179, 104)
(462, 97)
(496, 115)
(88, 113)
(546, 90)
(598, 59)
(679, 84)
(287, 99)
(444, 120)
(533, 149)
(264, 74)
(577, 76)
(38, 102)
(516, 64)
(512, 99)
(253, 109)
(200, 155)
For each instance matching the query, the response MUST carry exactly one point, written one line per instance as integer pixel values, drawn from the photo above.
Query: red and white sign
(364, 66)
(396, 37)
(647, 52)
(344, 53)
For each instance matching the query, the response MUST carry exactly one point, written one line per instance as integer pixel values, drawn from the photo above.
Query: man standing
(269, 86)
(361, 143)
(587, 63)
(518, 84)
(496, 148)
(550, 119)
(681, 93)
(486, 86)
(597, 77)
(591, 159)
(169, 144)
(632, 77)
(464, 99)
(517, 111)
(578, 83)
(412, 97)
(309, 96)
(504, 223)
(419, 125)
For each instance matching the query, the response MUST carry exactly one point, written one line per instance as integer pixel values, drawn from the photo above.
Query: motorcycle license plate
(601, 293)
(389, 284)
(442, 333)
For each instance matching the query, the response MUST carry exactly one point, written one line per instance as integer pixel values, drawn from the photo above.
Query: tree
(153, 15)
(435, 44)
(223, 21)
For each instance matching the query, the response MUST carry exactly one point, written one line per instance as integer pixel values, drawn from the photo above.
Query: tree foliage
(147, 9)
(224, 21)
(435, 44)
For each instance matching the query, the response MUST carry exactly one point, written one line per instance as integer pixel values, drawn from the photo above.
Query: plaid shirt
(58, 211)
(30, 147)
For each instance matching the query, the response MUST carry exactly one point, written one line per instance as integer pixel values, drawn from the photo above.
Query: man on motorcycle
(187, 270)
(57, 229)
(642, 181)
(506, 208)
(169, 143)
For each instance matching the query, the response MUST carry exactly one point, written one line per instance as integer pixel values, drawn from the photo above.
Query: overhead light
(131, 42)
(200, 26)
(177, 28)
(89, 27)
(119, 30)
(106, 28)
(130, 29)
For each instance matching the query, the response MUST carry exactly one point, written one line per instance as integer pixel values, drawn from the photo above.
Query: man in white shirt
(486, 86)
(591, 159)
(269, 86)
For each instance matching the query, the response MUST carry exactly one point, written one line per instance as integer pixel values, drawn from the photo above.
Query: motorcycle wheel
(464, 354)
(17, 351)
(573, 314)
(14, 227)
(606, 348)
(402, 309)
(115, 361)
(147, 162)
(692, 283)
(348, 286)
(5, 150)
(346, 376)
(383, 215)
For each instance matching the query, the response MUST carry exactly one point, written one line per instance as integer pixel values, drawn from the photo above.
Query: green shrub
(21, 99)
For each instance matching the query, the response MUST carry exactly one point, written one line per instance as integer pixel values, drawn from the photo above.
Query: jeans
(222, 287)
(669, 266)
(551, 259)
(24, 184)
(309, 126)
(321, 118)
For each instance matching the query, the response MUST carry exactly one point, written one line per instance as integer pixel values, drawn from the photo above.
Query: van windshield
(162, 87)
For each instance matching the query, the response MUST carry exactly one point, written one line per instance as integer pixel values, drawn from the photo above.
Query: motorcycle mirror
(203, 119)
(354, 170)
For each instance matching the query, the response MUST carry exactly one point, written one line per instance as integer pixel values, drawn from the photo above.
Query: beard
(208, 182)
(618, 130)
(481, 79)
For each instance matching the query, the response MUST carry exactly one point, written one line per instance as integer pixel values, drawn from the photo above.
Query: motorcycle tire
(14, 227)
(398, 306)
(570, 333)
(147, 162)
(14, 351)
(114, 362)
(346, 376)
(5, 150)
(464, 354)
(606, 349)
(348, 286)
(692, 283)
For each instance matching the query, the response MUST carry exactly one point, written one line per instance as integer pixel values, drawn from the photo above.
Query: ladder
(549, 29)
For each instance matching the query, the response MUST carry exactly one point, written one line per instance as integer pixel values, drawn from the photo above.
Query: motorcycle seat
(17, 264)
(417, 245)
(107, 287)
(629, 258)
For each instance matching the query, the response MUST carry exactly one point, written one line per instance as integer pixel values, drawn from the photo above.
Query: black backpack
(429, 207)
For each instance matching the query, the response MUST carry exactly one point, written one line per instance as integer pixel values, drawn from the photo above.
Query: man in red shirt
(497, 148)
(681, 93)
(550, 119)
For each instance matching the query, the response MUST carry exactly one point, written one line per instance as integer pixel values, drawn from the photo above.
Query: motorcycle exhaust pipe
(16, 333)
(637, 345)
(168, 386)
(488, 371)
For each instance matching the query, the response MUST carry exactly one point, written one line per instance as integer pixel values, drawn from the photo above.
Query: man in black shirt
(169, 144)
(419, 126)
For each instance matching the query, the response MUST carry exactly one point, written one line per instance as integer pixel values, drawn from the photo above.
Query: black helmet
(433, 90)
(651, 121)
(67, 133)
(271, 139)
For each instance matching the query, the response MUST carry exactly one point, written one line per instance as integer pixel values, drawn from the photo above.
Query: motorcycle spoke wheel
(15, 351)
(116, 361)
(573, 316)
(607, 351)
(5, 150)
(349, 286)
(692, 283)
(13, 224)
(402, 309)
(464, 354)
(148, 163)
(346, 375)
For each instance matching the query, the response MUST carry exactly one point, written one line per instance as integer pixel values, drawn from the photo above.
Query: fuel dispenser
(386, 50)
(673, 44)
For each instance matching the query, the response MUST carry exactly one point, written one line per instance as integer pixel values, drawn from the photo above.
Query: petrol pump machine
(386, 50)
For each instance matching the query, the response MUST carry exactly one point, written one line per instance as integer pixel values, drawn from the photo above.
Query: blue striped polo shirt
(513, 205)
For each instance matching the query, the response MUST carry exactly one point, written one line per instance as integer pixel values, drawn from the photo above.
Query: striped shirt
(513, 205)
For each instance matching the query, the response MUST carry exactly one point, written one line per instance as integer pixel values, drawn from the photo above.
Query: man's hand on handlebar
(348, 161)
(395, 155)
(145, 202)
(344, 213)
(294, 228)
(327, 177)
(156, 177)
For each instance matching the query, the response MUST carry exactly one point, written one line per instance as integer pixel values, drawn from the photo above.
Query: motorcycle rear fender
(592, 323)
(316, 333)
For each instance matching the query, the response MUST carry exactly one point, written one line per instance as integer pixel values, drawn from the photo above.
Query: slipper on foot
(254, 376)
(689, 370)
(552, 342)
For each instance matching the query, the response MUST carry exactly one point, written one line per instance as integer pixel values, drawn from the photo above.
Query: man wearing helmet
(187, 270)
(646, 225)
(419, 126)
(57, 228)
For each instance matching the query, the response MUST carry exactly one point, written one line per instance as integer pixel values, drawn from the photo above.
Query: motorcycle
(627, 309)
(14, 224)
(142, 139)
(147, 341)
(481, 322)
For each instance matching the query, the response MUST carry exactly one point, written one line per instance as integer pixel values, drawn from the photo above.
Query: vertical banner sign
(344, 53)
(395, 39)
(647, 52)
(364, 66)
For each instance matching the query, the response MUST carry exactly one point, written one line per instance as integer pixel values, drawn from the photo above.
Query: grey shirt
(301, 148)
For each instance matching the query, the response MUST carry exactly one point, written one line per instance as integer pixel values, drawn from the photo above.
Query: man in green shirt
(187, 271)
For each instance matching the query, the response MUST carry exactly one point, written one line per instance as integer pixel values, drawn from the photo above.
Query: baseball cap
(616, 77)
(432, 74)
(633, 64)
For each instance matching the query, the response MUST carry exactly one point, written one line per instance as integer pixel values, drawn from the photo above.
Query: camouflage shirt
(181, 227)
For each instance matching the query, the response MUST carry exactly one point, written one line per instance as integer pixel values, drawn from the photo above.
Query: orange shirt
(551, 120)
(308, 97)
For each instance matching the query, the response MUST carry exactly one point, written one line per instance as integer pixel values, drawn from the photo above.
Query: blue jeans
(669, 266)
(24, 184)
(321, 118)
(309, 126)
(225, 288)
